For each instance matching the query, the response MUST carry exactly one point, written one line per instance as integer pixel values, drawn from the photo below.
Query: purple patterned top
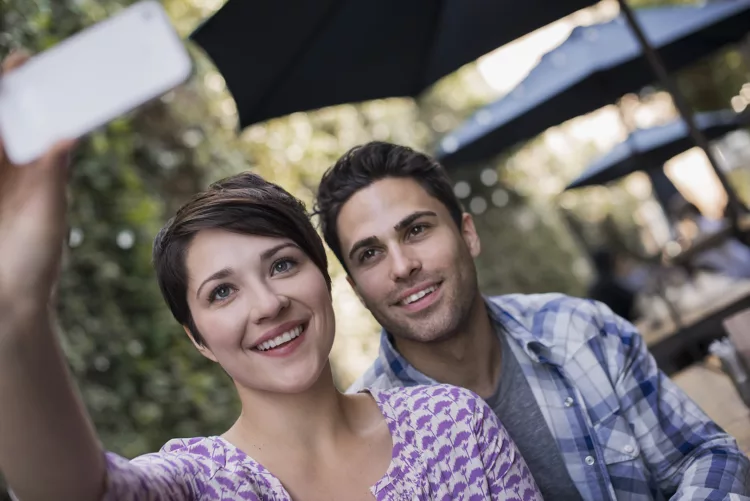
(447, 445)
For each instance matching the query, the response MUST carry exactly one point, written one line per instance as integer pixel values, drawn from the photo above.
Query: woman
(244, 272)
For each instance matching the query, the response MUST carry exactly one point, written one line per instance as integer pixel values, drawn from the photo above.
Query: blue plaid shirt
(625, 430)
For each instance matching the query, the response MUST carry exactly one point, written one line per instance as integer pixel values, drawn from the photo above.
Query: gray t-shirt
(515, 405)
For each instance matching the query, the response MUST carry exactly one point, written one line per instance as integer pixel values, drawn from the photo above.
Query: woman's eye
(220, 293)
(283, 265)
(416, 230)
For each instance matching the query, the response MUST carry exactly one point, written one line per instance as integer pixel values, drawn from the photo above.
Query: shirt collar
(535, 343)
(538, 347)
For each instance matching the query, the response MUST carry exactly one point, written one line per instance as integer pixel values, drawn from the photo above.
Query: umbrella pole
(744, 48)
(660, 288)
(735, 206)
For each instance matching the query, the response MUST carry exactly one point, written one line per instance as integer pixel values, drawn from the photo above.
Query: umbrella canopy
(651, 148)
(282, 57)
(594, 67)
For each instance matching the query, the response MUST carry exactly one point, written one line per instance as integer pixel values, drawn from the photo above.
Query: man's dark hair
(245, 203)
(365, 164)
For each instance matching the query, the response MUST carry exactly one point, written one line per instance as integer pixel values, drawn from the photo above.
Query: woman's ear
(202, 348)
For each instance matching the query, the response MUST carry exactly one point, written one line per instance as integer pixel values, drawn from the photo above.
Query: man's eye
(368, 254)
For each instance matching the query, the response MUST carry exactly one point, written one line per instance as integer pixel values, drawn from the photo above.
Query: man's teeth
(280, 339)
(419, 295)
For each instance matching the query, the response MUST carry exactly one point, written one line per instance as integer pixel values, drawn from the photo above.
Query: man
(730, 258)
(573, 383)
(608, 288)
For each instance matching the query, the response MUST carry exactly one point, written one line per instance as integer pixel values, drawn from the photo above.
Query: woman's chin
(292, 380)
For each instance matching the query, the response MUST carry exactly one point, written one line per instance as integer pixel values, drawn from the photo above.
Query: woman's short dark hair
(245, 203)
(363, 165)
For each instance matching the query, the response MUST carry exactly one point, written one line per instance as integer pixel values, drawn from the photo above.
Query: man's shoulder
(375, 377)
(535, 307)
(554, 318)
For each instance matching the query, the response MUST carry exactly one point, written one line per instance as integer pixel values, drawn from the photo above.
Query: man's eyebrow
(405, 222)
(408, 220)
(365, 242)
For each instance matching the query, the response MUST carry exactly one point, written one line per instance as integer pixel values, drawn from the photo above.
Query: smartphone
(89, 79)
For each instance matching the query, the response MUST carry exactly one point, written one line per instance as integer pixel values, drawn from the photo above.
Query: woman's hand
(33, 225)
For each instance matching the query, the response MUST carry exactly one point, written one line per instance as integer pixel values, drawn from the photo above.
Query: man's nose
(404, 263)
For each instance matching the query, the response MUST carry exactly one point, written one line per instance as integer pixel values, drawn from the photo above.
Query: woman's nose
(266, 304)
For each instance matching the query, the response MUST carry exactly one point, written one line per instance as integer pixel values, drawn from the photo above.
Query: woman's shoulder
(431, 403)
(211, 448)
(205, 454)
(189, 468)
(210, 454)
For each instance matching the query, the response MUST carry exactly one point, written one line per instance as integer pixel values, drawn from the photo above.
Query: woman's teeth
(280, 339)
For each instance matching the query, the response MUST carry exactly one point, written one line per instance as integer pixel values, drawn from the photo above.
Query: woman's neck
(304, 422)
(307, 440)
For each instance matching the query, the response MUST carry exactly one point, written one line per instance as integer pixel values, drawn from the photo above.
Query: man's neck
(469, 358)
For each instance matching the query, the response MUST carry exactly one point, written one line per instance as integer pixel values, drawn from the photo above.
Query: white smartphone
(90, 79)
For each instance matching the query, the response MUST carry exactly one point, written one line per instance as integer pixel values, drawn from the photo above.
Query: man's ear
(202, 349)
(353, 284)
(470, 235)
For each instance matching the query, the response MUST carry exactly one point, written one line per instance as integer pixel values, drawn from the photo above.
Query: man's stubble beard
(448, 321)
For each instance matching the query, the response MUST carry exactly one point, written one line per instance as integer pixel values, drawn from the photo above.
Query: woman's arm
(48, 448)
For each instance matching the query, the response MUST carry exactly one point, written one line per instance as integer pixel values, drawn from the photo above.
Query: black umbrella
(594, 67)
(650, 148)
(279, 57)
